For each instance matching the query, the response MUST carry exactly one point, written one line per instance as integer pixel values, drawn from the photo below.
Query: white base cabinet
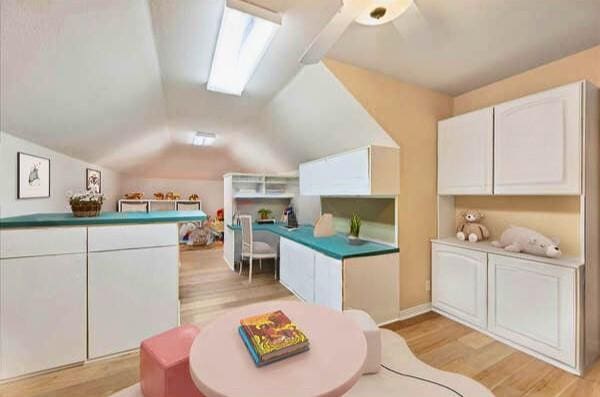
(369, 283)
(42, 299)
(459, 278)
(525, 302)
(42, 313)
(534, 305)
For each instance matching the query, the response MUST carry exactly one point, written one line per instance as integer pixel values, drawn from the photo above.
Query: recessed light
(245, 34)
(383, 11)
(203, 139)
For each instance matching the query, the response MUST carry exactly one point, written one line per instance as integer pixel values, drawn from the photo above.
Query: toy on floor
(470, 228)
(521, 239)
(197, 233)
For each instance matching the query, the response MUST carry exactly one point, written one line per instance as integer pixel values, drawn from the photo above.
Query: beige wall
(554, 216)
(409, 114)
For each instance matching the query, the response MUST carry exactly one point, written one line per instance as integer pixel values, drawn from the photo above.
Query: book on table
(271, 337)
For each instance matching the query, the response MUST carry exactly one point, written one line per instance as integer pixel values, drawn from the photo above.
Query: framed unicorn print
(93, 180)
(33, 176)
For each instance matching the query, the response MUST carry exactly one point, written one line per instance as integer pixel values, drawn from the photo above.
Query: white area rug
(396, 356)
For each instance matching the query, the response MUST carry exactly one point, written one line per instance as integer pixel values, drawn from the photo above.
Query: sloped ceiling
(459, 45)
(122, 83)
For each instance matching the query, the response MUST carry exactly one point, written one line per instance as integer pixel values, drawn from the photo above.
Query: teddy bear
(522, 239)
(470, 228)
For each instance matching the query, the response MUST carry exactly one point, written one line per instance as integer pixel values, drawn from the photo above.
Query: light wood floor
(448, 345)
(208, 287)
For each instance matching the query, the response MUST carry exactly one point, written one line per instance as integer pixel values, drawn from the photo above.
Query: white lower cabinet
(42, 312)
(459, 278)
(328, 281)
(132, 295)
(312, 276)
(526, 302)
(534, 304)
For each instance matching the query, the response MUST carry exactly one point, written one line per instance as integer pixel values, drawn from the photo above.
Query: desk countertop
(105, 218)
(336, 246)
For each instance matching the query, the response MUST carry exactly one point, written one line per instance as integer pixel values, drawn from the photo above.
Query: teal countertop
(336, 246)
(105, 218)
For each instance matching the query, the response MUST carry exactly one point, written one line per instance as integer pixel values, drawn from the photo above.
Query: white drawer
(118, 237)
(16, 243)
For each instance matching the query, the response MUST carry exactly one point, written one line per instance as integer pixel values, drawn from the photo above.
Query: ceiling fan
(365, 12)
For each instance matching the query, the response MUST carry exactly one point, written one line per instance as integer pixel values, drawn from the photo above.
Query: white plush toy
(521, 239)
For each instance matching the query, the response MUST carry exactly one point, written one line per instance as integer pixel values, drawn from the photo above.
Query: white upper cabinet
(465, 153)
(538, 142)
(373, 170)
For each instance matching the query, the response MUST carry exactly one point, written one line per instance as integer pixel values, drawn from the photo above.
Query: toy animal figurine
(134, 196)
(196, 233)
(159, 196)
(194, 197)
(522, 239)
(470, 228)
(171, 196)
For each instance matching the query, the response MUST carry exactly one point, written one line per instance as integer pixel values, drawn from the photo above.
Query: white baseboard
(410, 312)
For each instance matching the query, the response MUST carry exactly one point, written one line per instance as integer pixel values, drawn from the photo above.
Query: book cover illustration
(272, 333)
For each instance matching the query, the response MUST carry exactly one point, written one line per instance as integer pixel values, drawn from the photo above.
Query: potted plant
(355, 223)
(264, 213)
(86, 204)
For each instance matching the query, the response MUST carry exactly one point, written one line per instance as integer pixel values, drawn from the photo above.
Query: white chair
(254, 249)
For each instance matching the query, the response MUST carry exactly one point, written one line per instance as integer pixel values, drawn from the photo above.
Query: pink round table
(221, 366)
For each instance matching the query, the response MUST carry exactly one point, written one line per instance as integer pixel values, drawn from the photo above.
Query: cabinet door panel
(304, 277)
(465, 153)
(42, 313)
(285, 266)
(459, 278)
(533, 304)
(328, 281)
(133, 294)
(538, 143)
(349, 173)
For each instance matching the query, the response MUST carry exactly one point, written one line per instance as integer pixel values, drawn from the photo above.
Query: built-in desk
(330, 271)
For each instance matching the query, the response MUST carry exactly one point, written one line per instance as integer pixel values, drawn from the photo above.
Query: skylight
(245, 34)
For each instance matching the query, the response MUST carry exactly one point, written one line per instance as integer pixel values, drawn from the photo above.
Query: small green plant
(264, 213)
(355, 225)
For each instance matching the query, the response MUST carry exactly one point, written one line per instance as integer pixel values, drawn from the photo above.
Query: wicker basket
(86, 209)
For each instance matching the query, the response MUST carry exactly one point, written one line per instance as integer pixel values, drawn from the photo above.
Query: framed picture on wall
(33, 176)
(93, 180)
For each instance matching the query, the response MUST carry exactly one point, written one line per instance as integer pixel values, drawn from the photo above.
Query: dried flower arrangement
(86, 204)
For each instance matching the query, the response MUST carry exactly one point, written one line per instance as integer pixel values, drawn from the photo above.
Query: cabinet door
(533, 304)
(133, 294)
(538, 143)
(42, 313)
(285, 265)
(310, 175)
(328, 281)
(459, 283)
(349, 173)
(303, 260)
(465, 153)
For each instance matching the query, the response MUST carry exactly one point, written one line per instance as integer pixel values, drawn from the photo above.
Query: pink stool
(164, 364)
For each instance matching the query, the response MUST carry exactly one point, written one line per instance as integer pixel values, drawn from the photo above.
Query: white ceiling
(121, 83)
(454, 46)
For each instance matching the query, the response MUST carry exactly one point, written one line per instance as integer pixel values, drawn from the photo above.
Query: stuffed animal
(196, 233)
(521, 239)
(194, 197)
(134, 196)
(470, 228)
(159, 196)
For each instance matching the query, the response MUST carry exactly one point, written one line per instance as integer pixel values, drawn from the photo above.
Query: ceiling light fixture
(203, 139)
(245, 34)
(383, 11)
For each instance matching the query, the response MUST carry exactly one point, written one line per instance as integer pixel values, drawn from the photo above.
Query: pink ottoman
(164, 364)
